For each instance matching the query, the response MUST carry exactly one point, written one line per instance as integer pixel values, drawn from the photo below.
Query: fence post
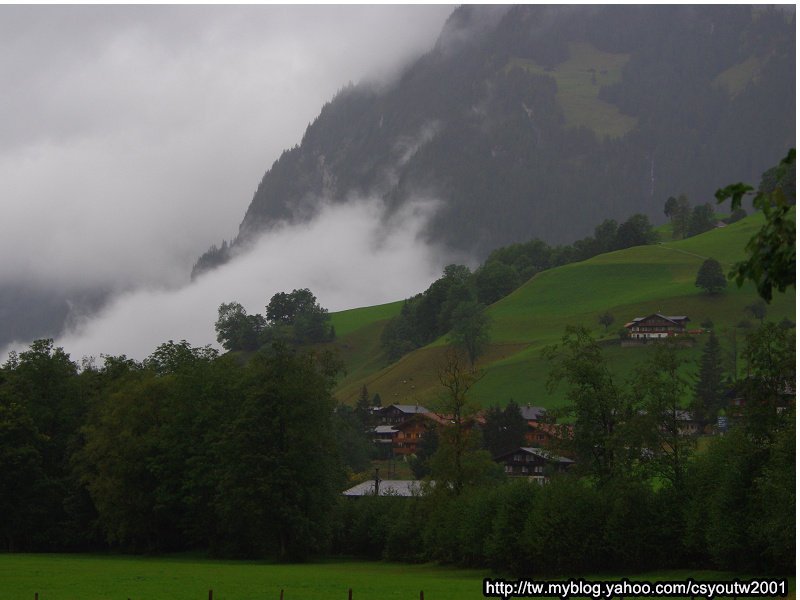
(281, 594)
(210, 594)
(350, 594)
(36, 596)
(421, 595)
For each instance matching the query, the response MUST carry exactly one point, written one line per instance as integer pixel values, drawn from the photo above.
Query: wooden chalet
(656, 326)
(537, 464)
(410, 432)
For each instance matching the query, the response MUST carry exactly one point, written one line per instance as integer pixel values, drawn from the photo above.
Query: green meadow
(89, 577)
(627, 283)
(71, 577)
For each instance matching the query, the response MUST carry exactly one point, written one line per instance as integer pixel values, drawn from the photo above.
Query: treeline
(688, 221)
(640, 496)
(184, 450)
(454, 301)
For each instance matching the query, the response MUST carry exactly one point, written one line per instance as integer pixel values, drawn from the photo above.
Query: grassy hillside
(628, 283)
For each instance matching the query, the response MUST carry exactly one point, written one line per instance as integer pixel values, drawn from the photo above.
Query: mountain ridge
(506, 121)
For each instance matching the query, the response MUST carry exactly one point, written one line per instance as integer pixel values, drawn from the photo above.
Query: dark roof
(408, 408)
(540, 452)
(673, 319)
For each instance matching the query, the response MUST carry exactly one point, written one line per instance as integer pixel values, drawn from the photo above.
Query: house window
(524, 469)
(509, 468)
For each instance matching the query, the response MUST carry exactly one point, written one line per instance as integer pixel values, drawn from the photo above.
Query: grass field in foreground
(71, 577)
(82, 577)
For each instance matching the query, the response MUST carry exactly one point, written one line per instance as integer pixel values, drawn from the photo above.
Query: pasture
(628, 283)
(104, 577)
(86, 577)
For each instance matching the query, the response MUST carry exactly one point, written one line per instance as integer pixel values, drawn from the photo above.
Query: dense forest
(540, 121)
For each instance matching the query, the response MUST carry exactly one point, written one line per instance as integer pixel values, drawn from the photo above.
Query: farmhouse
(656, 326)
(536, 464)
(410, 432)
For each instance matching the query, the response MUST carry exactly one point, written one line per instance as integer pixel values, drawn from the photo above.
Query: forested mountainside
(541, 121)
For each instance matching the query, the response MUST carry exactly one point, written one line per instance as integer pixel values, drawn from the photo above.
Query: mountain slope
(628, 283)
(540, 121)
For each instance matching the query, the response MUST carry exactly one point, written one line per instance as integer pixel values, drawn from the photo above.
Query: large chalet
(656, 326)
(535, 464)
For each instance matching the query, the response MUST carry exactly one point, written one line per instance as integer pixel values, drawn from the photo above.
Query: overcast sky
(133, 137)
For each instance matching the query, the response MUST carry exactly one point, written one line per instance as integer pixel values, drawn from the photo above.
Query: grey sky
(134, 136)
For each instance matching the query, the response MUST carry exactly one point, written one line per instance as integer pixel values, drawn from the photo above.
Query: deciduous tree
(710, 277)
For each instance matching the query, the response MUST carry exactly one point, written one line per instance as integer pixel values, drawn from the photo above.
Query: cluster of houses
(402, 427)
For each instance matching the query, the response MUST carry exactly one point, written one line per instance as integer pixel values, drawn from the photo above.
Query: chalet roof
(420, 416)
(540, 452)
(388, 487)
(676, 319)
(409, 409)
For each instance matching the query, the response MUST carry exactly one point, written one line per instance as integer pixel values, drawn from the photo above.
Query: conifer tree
(709, 389)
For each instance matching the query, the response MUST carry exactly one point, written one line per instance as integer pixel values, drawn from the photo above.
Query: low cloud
(348, 255)
(133, 137)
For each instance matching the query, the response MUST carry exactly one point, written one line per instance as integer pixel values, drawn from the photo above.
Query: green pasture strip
(348, 321)
(89, 577)
(80, 577)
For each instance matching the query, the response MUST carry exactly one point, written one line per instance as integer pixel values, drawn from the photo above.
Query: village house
(656, 326)
(537, 464)
(410, 432)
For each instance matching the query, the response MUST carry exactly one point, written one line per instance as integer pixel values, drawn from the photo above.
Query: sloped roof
(408, 408)
(417, 417)
(540, 452)
(673, 319)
